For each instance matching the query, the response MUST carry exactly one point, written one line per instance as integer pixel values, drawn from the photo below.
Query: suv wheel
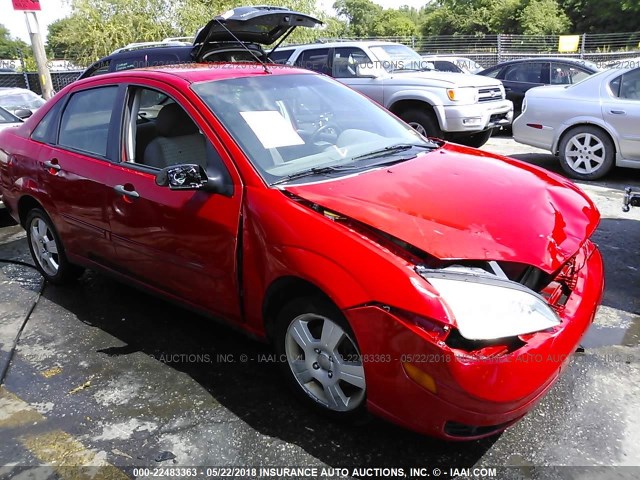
(423, 122)
(476, 140)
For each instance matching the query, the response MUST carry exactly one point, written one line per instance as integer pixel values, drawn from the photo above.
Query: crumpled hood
(460, 203)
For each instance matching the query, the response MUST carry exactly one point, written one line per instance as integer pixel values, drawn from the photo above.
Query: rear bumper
(474, 397)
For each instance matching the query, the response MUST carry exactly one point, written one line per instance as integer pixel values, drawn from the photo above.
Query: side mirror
(182, 177)
(367, 70)
(23, 113)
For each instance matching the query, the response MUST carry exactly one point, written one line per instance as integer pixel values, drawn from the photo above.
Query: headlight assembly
(488, 307)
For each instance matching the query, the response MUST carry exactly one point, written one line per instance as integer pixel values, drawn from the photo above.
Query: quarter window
(86, 120)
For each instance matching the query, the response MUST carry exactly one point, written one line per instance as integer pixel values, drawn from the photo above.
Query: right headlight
(487, 307)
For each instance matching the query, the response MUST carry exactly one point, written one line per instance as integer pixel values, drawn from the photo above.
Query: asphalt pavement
(107, 376)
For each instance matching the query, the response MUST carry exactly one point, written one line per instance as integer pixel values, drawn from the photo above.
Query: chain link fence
(30, 80)
(487, 50)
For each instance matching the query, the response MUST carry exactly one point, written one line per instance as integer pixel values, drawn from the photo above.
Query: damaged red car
(437, 286)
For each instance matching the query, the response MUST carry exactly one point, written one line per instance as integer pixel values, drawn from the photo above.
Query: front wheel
(476, 140)
(423, 122)
(586, 153)
(47, 249)
(323, 363)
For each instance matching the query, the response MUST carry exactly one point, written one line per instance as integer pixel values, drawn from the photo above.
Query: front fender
(416, 95)
(336, 282)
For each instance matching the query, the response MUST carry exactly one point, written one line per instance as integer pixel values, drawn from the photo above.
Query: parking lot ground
(106, 375)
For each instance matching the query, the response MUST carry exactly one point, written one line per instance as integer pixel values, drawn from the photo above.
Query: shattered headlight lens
(487, 307)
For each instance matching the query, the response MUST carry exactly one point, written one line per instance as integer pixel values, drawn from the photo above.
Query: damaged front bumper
(440, 388)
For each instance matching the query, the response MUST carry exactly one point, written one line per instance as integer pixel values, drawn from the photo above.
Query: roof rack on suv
(168, 42)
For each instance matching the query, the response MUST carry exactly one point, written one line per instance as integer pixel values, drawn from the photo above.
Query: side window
(45, 131)
(316, 59)
(525, 72)
(494, 73)
(562, 74)
(280, 56)
(630, 85)
(346, 60)
(86, 119)
(160, 133)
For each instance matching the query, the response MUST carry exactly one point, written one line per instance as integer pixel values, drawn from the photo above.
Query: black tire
(586, 153)
(57, 270)
(315, 311)
(476, 140)
(424, 122)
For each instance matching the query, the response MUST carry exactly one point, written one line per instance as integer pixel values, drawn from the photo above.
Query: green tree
(602, 16)
(360, 15)
(544, 17)
(392, 22)
(10, 47)
(96, 27)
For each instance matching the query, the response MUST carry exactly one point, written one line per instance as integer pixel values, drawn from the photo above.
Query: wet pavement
(108, 376)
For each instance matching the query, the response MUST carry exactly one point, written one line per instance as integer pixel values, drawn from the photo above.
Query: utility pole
(40, 56)
(29, 7)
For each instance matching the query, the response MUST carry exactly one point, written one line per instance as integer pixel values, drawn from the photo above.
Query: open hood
(459, 203)
(261, 24)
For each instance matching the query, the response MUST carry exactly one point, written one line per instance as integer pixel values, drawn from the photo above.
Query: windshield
(289, 125)
(18, 100)
(397, 57)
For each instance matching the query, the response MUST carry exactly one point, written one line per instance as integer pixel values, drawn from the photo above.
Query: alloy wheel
(45, 248)
(585, 153)
(326, 362)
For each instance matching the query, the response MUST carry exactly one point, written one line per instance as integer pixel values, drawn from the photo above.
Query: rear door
(621, 110)
(76, 162)
(520, 77)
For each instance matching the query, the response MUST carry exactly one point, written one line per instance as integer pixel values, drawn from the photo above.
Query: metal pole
(40, 56)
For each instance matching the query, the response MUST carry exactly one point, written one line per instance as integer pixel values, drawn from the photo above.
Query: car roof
(10, 90)
(350, 43)
(577, 61)
(200, 72)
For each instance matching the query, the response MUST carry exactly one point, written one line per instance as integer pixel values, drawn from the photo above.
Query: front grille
(490, 94)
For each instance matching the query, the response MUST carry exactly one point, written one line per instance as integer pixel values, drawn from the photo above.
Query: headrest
(173, 121)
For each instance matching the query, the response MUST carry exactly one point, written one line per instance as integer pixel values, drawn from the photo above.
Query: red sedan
(437, 286)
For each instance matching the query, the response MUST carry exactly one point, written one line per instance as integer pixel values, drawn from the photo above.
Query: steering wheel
(330, 131)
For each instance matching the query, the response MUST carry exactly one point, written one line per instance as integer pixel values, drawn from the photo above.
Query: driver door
(345, 69)
(180, 242)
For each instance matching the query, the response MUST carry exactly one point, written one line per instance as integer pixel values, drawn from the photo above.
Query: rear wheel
(47, 249)
(323, 363)
(586, 153)
(423, 122)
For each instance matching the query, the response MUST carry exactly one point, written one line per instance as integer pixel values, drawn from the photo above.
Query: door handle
(52, 165)
(618, 112)
(121, 189)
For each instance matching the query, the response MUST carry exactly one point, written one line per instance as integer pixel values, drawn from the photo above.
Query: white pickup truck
(459, 107)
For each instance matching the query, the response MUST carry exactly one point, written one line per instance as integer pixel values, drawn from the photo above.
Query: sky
(53, 10)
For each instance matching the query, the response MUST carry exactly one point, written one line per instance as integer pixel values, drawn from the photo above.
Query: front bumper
(473, 397)
(477, 117)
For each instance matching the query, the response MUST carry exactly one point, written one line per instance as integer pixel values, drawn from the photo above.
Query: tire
(586, 153)
(320, 358)
(47, 249)
(425, 123)
(476, 140)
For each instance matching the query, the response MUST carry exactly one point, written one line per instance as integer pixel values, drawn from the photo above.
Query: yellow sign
(568, 43)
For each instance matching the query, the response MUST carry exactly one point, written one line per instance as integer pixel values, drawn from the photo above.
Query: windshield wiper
(310, 172)
(400, 147)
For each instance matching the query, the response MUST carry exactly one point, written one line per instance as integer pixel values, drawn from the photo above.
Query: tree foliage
(10, 48)
(602, 16)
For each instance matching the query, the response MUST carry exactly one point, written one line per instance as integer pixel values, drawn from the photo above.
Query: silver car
(591, 126)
